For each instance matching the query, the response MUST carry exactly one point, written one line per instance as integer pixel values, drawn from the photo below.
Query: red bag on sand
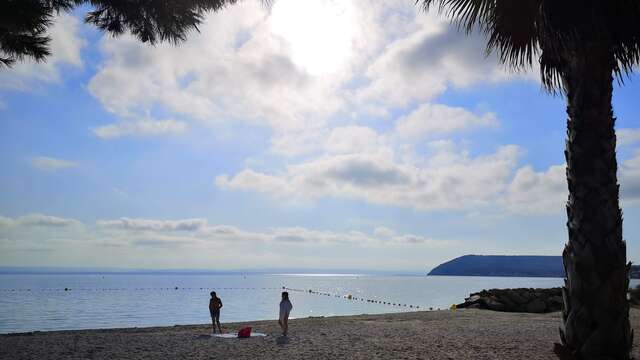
(245, 332)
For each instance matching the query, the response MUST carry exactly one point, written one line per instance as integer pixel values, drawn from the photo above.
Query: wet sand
(463, 334)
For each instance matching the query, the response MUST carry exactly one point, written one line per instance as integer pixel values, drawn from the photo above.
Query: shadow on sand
(282, 340)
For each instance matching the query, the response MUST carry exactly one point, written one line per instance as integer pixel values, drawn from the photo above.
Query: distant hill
(507, 265)
(502, 265)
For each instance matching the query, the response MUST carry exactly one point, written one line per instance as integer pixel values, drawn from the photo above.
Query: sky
(334, 134)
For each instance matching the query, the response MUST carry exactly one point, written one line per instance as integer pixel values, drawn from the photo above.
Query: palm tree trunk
(595, 318)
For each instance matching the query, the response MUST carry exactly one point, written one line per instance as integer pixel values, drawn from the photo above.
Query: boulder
(515, 297)
(557, 299)
(493, 304)
(527, 294)
(536, 306)
(554, 303)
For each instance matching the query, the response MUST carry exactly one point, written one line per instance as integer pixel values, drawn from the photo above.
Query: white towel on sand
(235, 335)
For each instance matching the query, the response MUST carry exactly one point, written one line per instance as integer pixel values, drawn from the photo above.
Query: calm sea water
(39, 302)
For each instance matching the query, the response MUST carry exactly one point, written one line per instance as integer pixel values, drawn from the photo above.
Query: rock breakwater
(516, 300)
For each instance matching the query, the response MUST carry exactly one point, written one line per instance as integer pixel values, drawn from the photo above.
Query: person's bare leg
(213, 324)
(285, 326)
(218, 321)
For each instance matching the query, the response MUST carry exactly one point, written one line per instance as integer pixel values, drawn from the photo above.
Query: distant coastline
(507, 266)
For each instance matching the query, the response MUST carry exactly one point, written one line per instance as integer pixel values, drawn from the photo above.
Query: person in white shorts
(285, 310)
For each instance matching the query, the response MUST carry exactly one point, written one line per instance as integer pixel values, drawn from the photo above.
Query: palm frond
(152, 21)
(510, 26)
(623, 35)
(467, 14)
(23, 25)
(513, 31)
(549, 30)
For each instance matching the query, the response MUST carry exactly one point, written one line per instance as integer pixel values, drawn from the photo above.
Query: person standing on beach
(215, 304)
(285, 310)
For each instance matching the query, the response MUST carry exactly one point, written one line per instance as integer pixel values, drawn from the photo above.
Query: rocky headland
(516, 300)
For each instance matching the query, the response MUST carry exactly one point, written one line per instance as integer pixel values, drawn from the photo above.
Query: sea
(43, 302)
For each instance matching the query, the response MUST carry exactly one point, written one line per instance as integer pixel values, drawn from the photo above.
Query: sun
(318, 32)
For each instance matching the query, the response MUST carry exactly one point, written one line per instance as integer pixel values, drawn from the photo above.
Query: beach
(460, 334)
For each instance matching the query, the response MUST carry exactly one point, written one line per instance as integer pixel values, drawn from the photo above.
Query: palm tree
(24, 23)
(581, 45)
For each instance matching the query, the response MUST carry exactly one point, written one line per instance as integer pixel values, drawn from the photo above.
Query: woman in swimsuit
(215, 304)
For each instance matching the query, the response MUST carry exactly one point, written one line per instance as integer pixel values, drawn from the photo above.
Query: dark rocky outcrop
(516, 300)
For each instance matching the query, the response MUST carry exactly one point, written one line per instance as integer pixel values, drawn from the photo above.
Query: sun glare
(319, 32)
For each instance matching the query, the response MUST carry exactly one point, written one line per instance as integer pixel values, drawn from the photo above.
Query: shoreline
(460, 334)
(193, 326)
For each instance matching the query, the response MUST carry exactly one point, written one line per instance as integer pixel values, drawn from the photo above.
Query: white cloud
(335, 140)
(629, 177)
(151, 232)
(198, 231)
(194, 243)
(154, 225)
(38, 220)
(46, 220)
(628, 137)
(235, 69)
(248, 65)
(145, 127)
(383, 232)
(302, 142)
(354, 139)
(436, 119)
(538, 193)
(66, 45)
(5, 221)
(318, 52)
(255, 181)
(461, 182)
(425, 62)
(51, 164)
(300, 235)
(417, 240)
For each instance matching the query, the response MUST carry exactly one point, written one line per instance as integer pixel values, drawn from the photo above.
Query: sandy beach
(463, 334)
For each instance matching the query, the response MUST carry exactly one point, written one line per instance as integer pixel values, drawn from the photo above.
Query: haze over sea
(39, 302)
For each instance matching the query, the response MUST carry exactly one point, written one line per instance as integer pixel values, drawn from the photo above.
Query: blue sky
(385, 141)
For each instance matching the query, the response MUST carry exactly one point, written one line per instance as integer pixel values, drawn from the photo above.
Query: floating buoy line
(348, 297)
(144, 289)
